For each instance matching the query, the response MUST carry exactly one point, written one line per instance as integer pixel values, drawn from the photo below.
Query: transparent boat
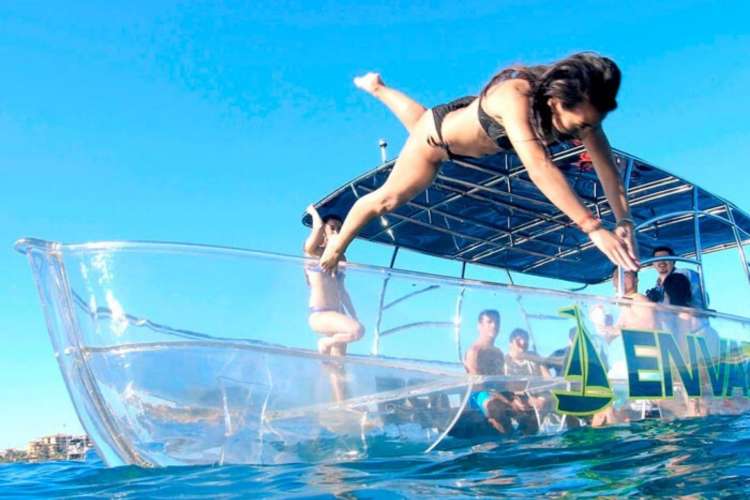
(186, 354)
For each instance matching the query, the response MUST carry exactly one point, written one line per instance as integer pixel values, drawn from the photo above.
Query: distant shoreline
(57, 447)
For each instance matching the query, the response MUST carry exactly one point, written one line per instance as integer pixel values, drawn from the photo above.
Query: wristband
(625, 220)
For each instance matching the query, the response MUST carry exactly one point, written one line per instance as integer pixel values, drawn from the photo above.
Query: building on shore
(13, 455)
(55, 447)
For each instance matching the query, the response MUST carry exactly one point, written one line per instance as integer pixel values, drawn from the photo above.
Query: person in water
(499, 408)
(329, 300)
(524, 109)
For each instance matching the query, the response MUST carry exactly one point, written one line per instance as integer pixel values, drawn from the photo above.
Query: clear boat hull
(180, 354)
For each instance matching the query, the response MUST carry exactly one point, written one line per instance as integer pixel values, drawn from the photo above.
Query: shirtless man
(329, 300)
(483, 358)
(639, 314)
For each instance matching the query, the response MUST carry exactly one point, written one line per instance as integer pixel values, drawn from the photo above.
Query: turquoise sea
(703, 457)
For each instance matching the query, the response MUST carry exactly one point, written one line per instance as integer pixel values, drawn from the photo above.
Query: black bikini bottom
(439, 113)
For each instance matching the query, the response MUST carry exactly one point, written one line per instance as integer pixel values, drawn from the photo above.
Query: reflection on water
(688, 457)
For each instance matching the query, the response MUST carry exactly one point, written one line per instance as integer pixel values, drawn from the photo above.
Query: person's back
(324, 289)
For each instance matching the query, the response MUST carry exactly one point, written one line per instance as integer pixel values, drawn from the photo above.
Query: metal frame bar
(489, 253)
(410, 295)
(449, 199)
(678, 216)
(457, 318)
(409, 326)
(515, 174)
(507, 175)
(375, 350)
(740, 247)
(698, 245)
(512, 238)
(626, 185)
(466, 236)
(552, 219)
(644, 187)
(430, 209)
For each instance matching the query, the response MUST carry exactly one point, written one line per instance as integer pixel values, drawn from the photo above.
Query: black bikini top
(494, 129)
(499, 136)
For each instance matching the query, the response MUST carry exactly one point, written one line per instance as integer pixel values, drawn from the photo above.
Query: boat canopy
(487, 211)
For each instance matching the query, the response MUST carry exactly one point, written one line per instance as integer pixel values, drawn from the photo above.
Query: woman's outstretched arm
(511, 104)
(596, 143)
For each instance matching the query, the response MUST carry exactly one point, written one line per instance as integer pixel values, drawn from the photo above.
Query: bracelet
(625, 220)
(590, 224)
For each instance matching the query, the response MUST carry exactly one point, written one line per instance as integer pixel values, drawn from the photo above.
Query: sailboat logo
(586, 368)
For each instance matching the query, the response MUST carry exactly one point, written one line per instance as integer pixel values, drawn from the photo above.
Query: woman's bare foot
(369, 82)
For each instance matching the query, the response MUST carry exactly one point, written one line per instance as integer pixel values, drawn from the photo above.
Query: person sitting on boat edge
(520, 360)
(524, 363)
(482, 357)
(498, 408)
(636, 313)
(666, 268)
(329, 300)
(524, 109)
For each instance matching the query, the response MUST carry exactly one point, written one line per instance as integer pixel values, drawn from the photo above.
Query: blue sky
(218, 122)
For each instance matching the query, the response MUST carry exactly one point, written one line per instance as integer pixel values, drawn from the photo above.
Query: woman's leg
(339, 328)
(406, 109)
(413, 171)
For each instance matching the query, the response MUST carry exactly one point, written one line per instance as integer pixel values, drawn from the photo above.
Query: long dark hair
(585, 76)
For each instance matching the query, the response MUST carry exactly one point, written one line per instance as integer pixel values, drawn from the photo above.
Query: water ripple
(704, 457)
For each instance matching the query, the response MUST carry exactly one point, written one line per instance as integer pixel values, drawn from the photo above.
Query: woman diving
(524, 109)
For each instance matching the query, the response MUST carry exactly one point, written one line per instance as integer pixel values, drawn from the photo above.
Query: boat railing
(696, 213)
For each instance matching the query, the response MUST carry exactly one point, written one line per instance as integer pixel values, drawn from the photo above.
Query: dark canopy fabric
(487, 211)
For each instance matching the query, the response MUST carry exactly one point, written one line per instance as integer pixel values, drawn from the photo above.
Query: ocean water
(704, 457)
